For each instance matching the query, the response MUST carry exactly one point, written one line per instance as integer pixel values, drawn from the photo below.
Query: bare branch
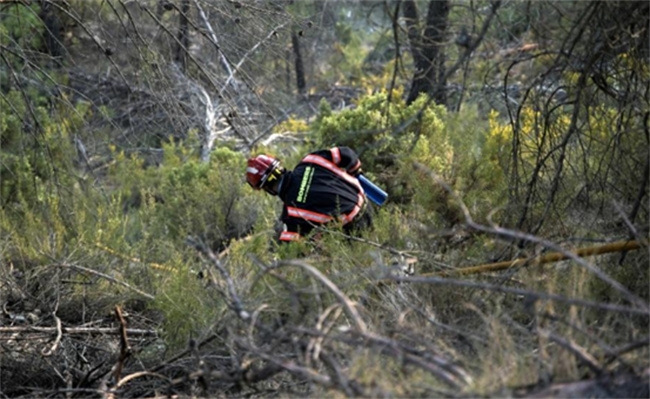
(104, 276)
(140, 374)
(517, 291)
(57, 340)
(348, 305)
(215, 41)
(125, 348)
(75, 331)
(511, 234)
(237, 303)
(615, 353)
(272, 33)
(580, 352)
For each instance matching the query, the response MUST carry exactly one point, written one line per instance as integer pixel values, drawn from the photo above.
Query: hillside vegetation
(136, 262)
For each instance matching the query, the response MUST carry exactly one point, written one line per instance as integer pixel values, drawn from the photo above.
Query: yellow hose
(619, 246)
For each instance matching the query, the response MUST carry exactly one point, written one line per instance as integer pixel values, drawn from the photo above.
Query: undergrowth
(134, 226)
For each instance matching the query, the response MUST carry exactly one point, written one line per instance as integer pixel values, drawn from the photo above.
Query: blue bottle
(374, 193)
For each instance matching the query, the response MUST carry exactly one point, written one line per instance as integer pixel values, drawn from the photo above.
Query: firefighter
(322, 188)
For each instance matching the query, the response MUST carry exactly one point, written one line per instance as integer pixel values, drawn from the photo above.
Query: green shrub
(185, 197)
(391, 139)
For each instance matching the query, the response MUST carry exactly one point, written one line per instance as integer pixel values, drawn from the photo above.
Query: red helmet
(263, 169)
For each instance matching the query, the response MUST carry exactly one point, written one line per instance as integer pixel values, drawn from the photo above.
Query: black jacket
(321, 189)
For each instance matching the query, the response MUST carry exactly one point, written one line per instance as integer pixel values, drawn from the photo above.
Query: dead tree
(298, 62)
(183, 44)
(428, 49)
(53, 32)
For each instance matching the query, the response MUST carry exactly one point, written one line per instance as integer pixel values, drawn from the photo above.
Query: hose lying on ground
(551, 257)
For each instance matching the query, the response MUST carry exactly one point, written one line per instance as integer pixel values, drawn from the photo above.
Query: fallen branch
(75, 331)
(57, 341)
(140, 375)
(125, 348)
(134, 259)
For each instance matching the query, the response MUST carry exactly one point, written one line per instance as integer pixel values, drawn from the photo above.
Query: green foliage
(368, 128)
(364, 60)
(184, 197)
(34, 157)
(515, 18)
(292, 125)
(391, 139)
(21, 26)
(389, 227)
(187, 304)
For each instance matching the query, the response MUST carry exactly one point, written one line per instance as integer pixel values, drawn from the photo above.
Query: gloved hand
(357, 172)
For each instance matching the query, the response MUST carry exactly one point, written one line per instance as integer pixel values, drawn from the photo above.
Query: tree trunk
(300, 67)
(287, 70)
(53, 38)
(183, 36)
(428, 50)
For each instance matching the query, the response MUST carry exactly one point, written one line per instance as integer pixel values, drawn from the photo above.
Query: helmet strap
(272, 184)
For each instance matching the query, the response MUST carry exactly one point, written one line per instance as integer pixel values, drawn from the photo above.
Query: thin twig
(580, 352)
(250, 51)
(140, 374)
(104, 276)
(237, 303)
(517, 291)
(215, 41)
(617, 352)
(348, 305)
(75, 331)
(57, 340)
(125, 348)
